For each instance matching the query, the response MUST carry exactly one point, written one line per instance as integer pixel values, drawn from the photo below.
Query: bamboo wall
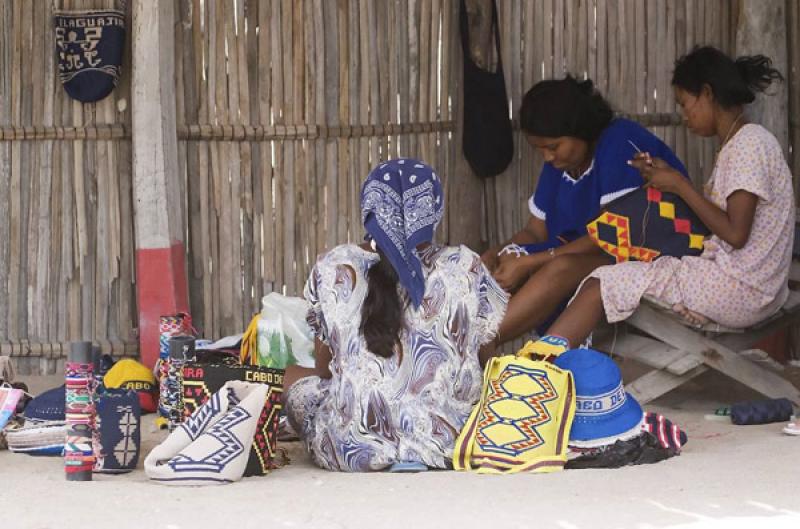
(277, 104)
(66, 234)
(283, 106)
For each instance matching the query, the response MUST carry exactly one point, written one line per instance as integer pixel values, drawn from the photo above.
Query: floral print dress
(374, 411)
(734, 287)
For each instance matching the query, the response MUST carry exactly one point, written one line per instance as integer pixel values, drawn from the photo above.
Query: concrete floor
(728, 476)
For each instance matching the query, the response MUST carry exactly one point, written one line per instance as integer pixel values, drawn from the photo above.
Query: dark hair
(565, 107)
(733, 82)
(382, 312)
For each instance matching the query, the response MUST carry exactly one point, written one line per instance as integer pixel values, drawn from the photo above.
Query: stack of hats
(45, 426)
(132, 375)
(610, 428)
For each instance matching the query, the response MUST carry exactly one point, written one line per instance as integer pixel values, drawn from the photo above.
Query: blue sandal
(408, 467)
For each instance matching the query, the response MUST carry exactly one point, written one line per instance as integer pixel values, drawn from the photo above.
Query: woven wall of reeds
(66, 221)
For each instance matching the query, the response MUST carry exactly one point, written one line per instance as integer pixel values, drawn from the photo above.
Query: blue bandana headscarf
(401, 205)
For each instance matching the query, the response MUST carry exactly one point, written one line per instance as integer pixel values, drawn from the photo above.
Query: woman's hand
(489, 258)
(506, 257)
(657, 173)
(513, 273)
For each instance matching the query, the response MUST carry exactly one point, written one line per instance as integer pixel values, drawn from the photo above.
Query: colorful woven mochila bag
(521, 422)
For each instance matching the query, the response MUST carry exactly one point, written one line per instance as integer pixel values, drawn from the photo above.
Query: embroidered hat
(130, 374)
(89, 48)
(604, 411)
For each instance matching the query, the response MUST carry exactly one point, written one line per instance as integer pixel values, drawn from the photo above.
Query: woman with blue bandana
(402, 327)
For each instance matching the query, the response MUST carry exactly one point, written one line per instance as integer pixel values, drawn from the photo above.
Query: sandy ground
(728, 476)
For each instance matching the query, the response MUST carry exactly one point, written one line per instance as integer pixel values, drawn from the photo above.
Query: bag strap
(248, 351)
(464, 22)
(465, 443)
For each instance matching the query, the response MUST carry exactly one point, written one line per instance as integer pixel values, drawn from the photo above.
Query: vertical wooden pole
(761, 29)
(160, 254)
(464, 203)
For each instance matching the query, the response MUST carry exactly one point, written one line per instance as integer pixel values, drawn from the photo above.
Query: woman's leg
(544, 291)
(294, 373)
(581, 316)
(302, 397)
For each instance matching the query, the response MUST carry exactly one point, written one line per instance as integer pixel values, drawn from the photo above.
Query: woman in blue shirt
(585, 152)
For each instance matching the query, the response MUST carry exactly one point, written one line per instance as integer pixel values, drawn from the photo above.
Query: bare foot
(693, 318)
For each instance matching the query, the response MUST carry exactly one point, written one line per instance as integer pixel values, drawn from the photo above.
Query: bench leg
(657, 382)
(714, 354)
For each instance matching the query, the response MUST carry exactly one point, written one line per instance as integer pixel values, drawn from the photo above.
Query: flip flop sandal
(408, 467)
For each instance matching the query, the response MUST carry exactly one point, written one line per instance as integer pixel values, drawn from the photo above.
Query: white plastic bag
(284, 337)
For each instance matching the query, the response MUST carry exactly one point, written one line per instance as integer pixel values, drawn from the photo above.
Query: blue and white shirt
(566, 204)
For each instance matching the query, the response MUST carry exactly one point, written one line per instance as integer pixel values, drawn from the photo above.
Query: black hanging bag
(488, 141)
(89, 49)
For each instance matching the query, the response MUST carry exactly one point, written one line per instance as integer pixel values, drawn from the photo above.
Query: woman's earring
(373, 245)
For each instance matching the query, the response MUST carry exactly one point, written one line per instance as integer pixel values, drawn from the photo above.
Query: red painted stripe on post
(161, 289)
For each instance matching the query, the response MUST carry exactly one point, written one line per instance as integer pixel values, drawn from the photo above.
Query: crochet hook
(648, 160)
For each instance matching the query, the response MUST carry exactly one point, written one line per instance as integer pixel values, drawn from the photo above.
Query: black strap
(464, 21)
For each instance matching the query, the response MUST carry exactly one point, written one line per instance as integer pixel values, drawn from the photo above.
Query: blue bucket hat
(604, 411)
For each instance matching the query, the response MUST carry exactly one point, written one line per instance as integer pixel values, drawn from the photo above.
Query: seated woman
(741, 276)
(402, 327)
(585, 151)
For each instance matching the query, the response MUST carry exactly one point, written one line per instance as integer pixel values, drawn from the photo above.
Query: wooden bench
(678, 352)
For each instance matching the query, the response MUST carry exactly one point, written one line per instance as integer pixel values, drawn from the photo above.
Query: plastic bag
(284, 337)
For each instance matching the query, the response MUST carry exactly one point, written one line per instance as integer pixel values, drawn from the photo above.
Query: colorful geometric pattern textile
(118, 433)
(173, 325)
(646, 224)
(201, 381)
(89, 47)
(522, 420)
(79, 411)
(211, 446)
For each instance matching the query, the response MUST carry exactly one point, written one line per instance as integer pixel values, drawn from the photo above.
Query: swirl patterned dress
(375, 411)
